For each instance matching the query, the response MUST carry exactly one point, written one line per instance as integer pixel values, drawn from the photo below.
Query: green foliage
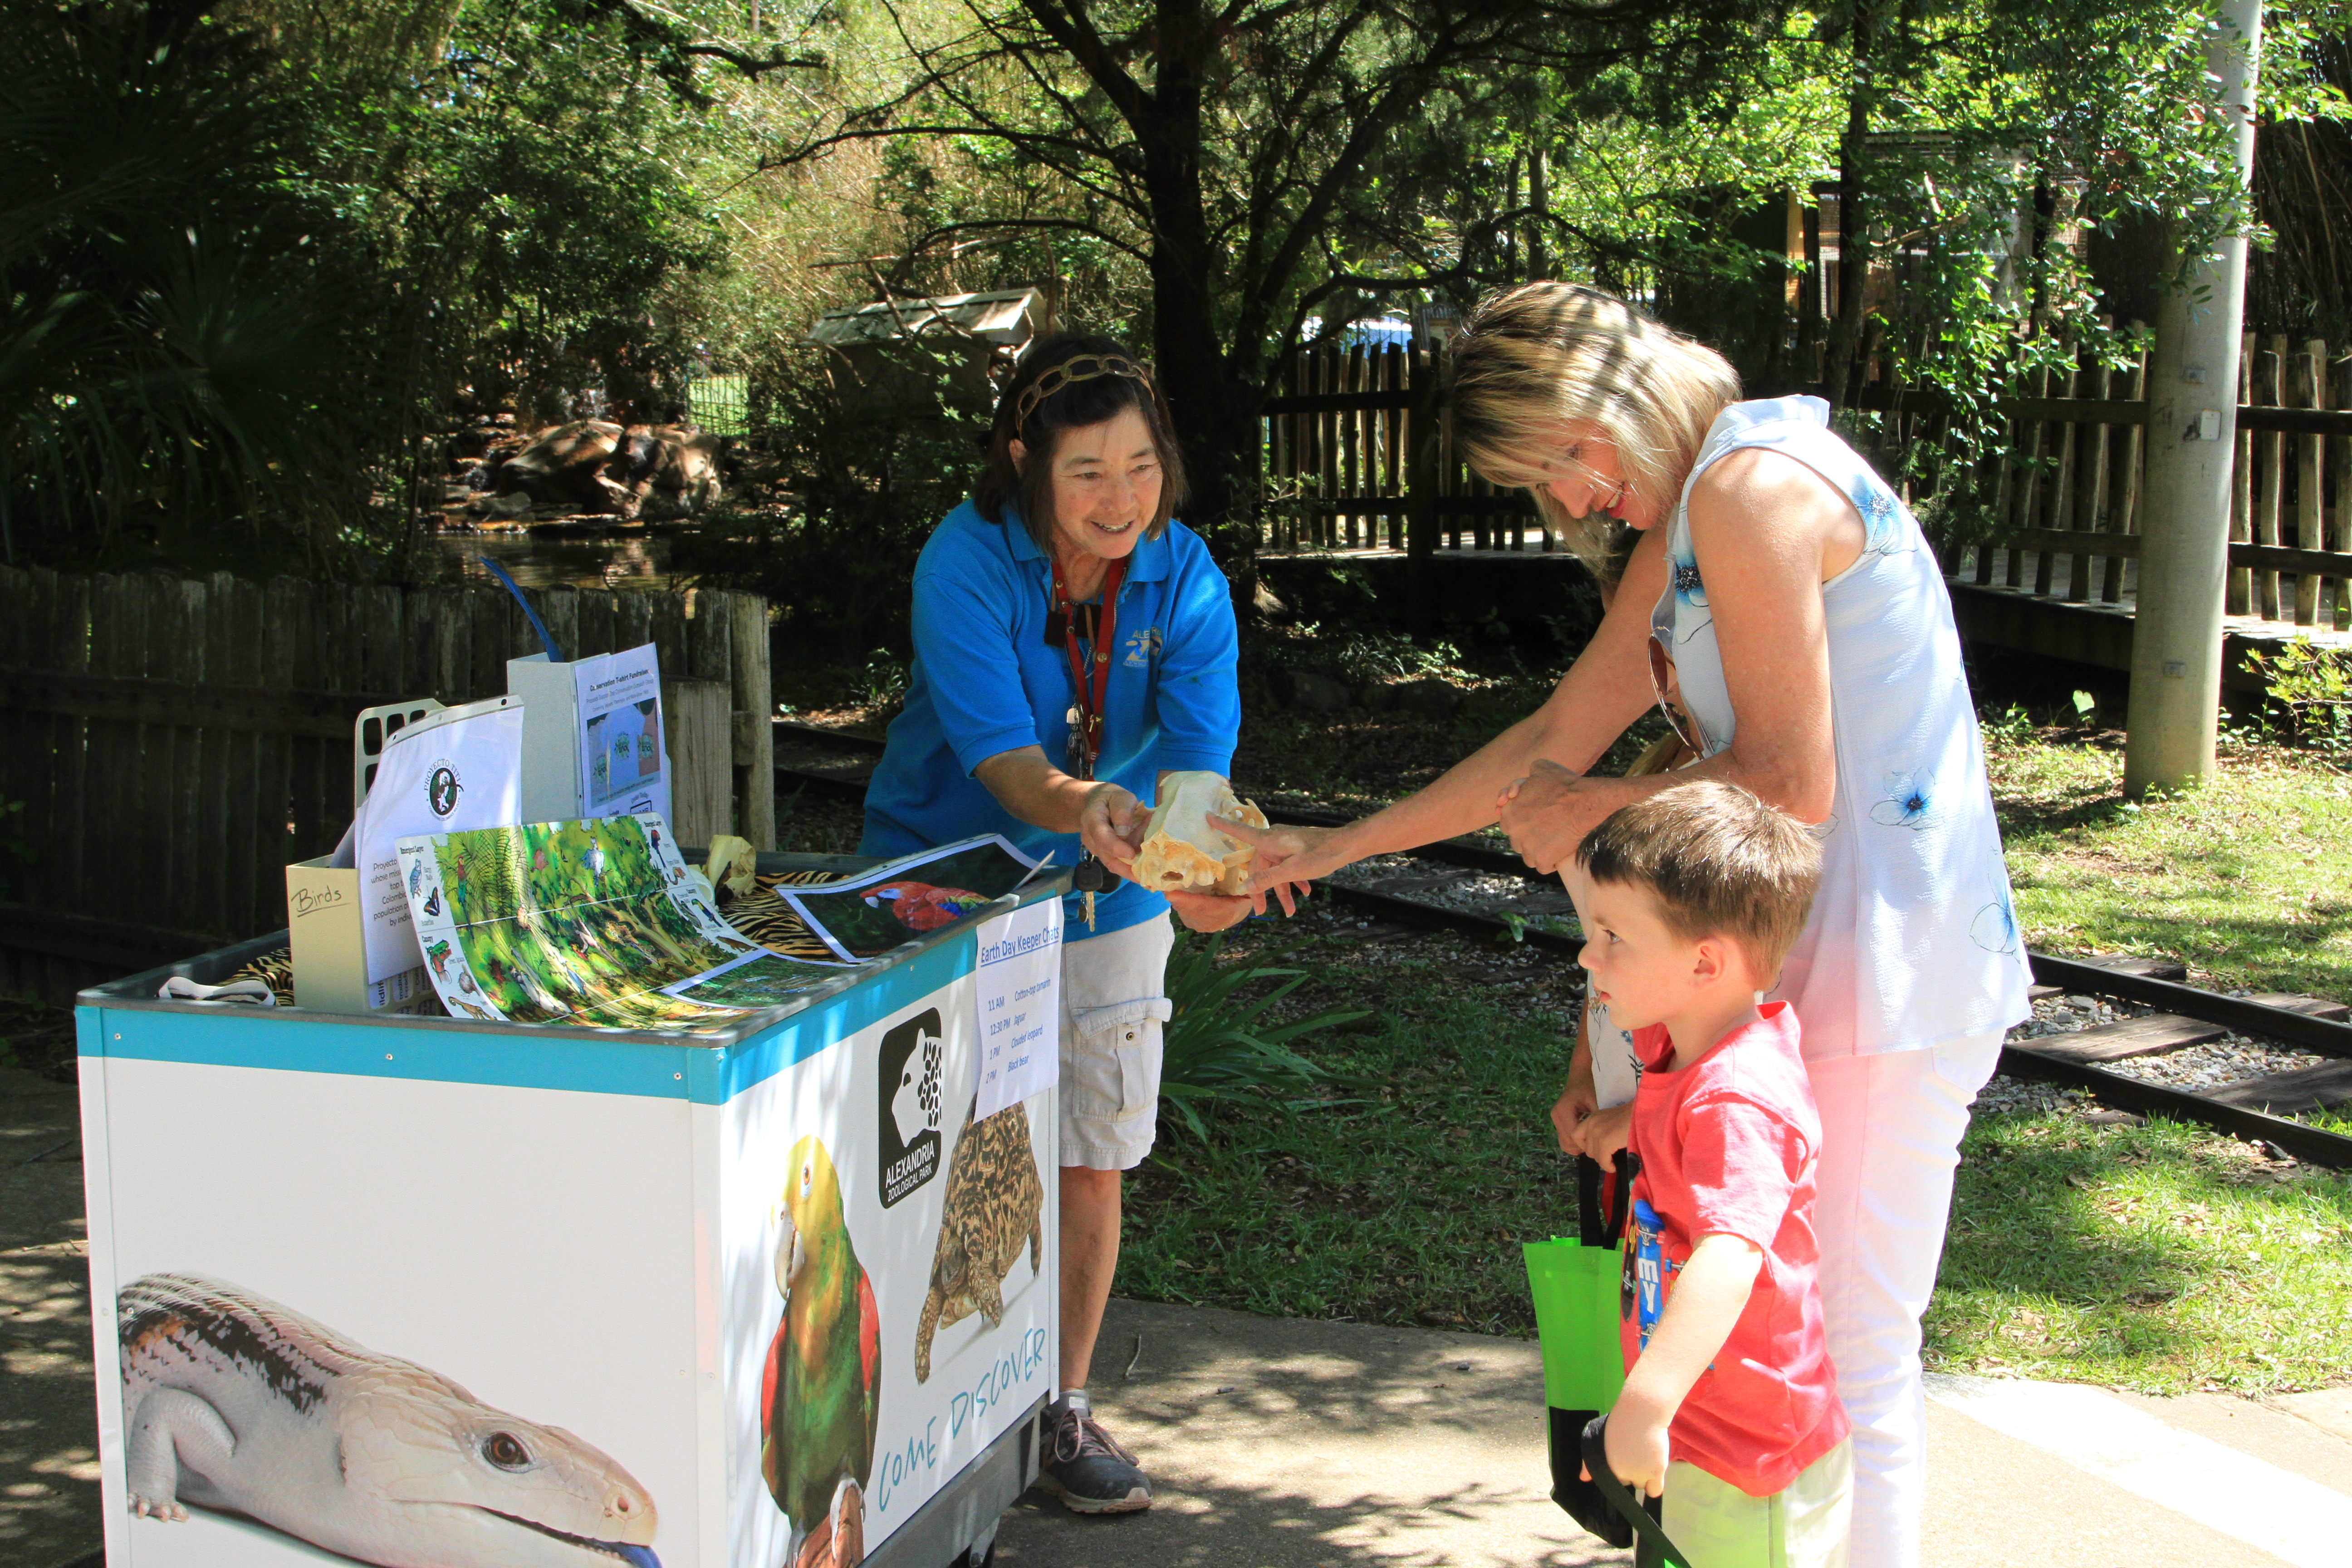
(1350, 654)
(2309, 698)
(866, 485)
(2242, 878)
(526, 184)
(185, 324)
(249, 265)
(1221, 1045)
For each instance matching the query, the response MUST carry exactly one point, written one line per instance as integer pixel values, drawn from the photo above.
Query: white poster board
(862, 1172)
(1020, 996)
(623, 758)
(452, 771)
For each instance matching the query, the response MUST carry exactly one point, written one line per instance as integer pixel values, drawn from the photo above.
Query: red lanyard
(1086, 742)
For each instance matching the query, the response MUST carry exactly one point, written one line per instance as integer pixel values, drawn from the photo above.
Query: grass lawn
(1405, 1201)
(2158, 1257)
(2247, 880)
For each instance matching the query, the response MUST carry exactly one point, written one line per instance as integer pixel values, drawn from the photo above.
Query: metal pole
(2193, 420)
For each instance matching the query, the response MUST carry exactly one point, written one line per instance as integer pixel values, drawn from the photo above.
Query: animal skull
(1182, 852)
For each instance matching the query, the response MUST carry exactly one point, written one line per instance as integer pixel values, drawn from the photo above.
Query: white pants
(1891, 1128)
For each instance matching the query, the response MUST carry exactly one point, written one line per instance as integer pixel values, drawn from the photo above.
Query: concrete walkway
(1309, 1445)
(1279, 1444)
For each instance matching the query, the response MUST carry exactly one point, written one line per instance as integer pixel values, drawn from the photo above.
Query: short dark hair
(1038, 423)
(1720, 862)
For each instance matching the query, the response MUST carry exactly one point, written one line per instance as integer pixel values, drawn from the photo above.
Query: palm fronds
(1221, 1045)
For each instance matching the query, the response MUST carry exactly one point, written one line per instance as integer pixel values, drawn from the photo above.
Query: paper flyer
(1020, 1002)
(585, 923)
(873, 912)
(457, 769)
(623, 762)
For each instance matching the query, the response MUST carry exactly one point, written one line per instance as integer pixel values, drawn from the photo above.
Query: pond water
(637, 560)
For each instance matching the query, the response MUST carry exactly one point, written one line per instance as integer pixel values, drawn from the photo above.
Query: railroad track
(1454, 885)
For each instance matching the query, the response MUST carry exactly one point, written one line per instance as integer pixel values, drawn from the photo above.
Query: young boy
(1690, 900)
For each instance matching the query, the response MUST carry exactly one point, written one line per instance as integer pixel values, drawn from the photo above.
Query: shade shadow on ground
(1289, 1444)
(48, 1426)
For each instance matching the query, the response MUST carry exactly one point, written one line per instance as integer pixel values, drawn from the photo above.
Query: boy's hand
(1578, 1100)
(1636, 1442)
(1600, 1135)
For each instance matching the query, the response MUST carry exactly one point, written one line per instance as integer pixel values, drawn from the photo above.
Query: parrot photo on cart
(820, 1396)
(921, 907)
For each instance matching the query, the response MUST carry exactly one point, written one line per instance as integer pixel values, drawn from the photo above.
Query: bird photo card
(587, 923)
(873, 912)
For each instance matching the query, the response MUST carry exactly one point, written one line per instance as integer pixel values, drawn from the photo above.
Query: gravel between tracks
(2225, 1061)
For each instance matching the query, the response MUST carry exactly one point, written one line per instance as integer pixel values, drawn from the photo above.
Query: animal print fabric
(764, 917)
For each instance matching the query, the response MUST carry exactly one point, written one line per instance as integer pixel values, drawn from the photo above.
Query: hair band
(1067, 373)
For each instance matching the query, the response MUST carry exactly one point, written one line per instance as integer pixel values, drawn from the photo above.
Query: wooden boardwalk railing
(1347, 466)
(174, 742)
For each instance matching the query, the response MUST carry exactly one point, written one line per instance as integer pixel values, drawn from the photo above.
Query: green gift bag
(1575, 1288)
(1576, 1284)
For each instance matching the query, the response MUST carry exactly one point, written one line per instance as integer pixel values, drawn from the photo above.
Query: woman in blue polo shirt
(1073, 644)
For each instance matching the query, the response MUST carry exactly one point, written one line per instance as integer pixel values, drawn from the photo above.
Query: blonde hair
(1719, 861)
(1534, 357)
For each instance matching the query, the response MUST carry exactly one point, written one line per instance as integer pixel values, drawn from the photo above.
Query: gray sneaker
(1085, 1466)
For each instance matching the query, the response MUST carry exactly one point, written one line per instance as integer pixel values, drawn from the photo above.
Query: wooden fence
(2069, 505)
(1344, 468)
(174, 742)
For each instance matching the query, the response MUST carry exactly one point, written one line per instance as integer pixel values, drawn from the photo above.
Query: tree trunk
(1214, 396)
(1853, 242)
(1540, 198)
(2192, 417)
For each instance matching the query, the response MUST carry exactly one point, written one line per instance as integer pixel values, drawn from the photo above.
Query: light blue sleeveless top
(1913, 939)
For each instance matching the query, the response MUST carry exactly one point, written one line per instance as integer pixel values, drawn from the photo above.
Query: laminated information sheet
(621, 758)
(588, 923)
(458, 768)
(873, 912)
(1020, 1001)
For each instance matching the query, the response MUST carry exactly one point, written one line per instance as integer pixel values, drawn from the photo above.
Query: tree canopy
(257, 254)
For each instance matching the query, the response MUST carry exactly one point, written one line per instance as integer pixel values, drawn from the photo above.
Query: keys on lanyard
(1092, 876)
(1090, 684)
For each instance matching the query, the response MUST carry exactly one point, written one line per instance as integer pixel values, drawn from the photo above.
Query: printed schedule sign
(1020, 993)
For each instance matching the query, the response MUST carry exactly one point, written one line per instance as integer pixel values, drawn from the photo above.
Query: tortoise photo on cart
(994, 1203)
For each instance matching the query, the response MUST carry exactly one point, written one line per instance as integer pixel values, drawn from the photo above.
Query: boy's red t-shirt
(1730, 1143)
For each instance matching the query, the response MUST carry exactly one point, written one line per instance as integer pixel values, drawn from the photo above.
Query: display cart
(422, 1291)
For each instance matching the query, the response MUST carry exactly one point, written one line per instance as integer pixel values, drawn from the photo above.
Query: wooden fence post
(754, 748)
(2340, 532)
(2271, 445)
(701, 760)
(2310, 470)
(1422, 431)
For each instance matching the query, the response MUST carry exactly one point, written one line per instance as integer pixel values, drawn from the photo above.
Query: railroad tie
(2156, 1033)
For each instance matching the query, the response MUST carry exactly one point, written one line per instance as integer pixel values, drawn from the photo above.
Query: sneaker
(1084, 1466)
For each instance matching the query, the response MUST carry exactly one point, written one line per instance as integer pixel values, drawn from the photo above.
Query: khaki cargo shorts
(1114, 1001)
(1803, 1525)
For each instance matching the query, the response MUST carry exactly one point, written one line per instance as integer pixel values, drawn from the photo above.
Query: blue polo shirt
(986, 682)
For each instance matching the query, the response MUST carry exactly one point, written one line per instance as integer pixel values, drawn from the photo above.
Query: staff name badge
(1020, 1001)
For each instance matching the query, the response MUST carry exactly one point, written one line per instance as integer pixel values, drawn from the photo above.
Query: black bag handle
(1655, 1545)
(1591, 1225)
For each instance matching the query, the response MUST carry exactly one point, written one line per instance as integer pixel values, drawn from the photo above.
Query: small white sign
(622, 760)
(1020, 999)
(450, 771)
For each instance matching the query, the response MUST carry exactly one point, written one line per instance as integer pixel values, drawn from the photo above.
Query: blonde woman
(1779, 601)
